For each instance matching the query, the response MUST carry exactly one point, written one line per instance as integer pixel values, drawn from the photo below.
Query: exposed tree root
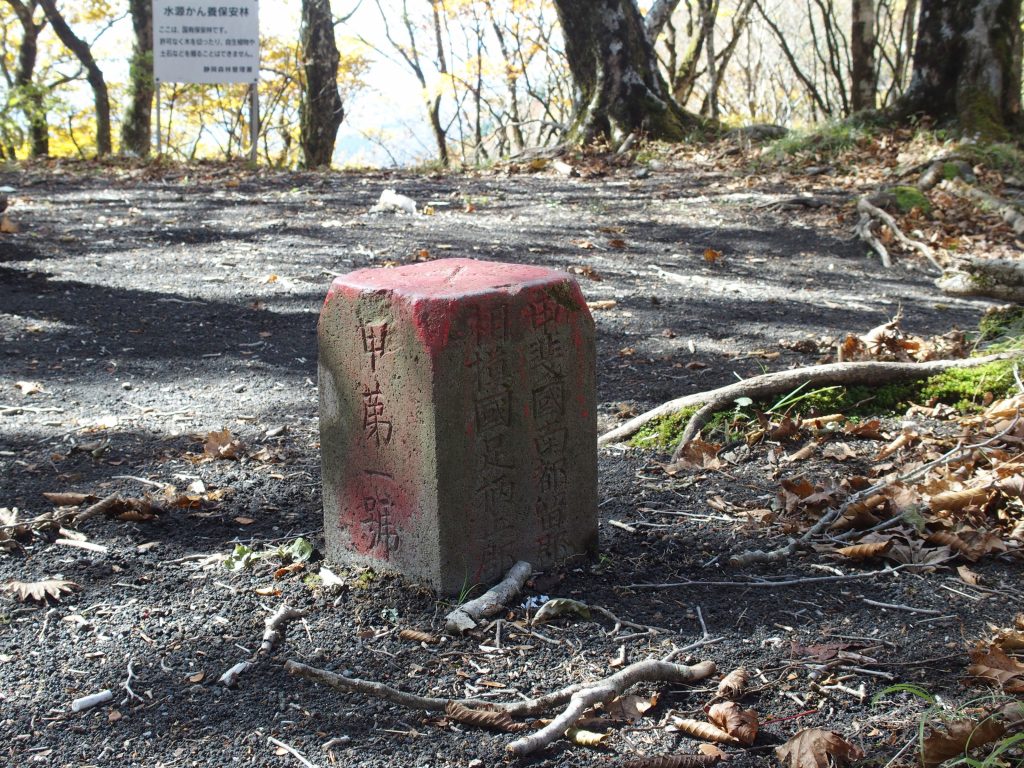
(464, 618)
(868, 214)
(781, 382)
(579, 696)
(1001, 279)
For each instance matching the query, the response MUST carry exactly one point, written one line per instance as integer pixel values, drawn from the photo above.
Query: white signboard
(206, 42)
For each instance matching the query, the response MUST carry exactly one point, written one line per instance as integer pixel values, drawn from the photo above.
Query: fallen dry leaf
(483, 718)
(732, 685)
(39, 591)
(869, 430)
(817, 748)
(948, 740)
(416, 636)
(991, 663)
(711, 255)
(967, 576)
(860, 552)
(734, 720)
(630, 708)
(699, 730)
(222, 445)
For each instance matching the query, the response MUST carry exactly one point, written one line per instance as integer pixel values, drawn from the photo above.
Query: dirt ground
(143, 309)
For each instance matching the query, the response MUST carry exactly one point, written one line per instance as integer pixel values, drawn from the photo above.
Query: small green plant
(298, 551)
(365, 578)
(243, 556)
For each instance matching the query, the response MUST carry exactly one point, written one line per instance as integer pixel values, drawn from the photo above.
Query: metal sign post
(199, 42)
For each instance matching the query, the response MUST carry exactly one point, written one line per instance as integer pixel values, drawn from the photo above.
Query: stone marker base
(457, 420)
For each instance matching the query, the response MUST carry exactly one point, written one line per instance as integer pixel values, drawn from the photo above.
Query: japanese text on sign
(206, 42)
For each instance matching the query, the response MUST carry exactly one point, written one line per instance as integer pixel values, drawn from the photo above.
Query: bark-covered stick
(649, 671)
(781, 382)
(464, 618)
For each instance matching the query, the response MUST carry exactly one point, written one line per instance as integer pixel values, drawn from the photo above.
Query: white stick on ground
(292, 751)
(465, 617)
(93, 699)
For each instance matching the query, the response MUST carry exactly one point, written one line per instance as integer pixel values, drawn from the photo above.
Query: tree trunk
(863, 75)
(434, 107)
(967, 65)
(33, 104)
(94, 76)
(619, 88)
(322, 109)
(136, 135)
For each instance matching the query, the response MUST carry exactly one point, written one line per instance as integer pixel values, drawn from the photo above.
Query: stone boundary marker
(458, 425)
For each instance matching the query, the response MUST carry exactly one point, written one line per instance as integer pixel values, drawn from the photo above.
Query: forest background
(450, 80)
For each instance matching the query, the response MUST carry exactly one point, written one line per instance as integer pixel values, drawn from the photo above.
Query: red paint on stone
(448, 278)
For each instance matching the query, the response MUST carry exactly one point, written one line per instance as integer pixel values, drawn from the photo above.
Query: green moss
(978, 113)
(1003, 327)
(968, 388)
(950, 171)
(908, 198)
(664, 432)
(827, 139)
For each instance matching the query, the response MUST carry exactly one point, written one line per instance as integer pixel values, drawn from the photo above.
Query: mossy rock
(908, 198)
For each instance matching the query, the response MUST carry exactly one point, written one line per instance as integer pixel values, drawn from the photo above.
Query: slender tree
(322, 110)
(863, 73)
(619, 87)
(94, 76)
(967, 65)
(136, 131)
(31, 96)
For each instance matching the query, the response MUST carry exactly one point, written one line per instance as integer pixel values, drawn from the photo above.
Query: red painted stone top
(447, 279)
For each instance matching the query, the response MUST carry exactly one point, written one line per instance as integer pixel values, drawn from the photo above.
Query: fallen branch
(868, 214)
(781, 382)
(651, 670)
(786, 581)
(273, 633)
(465, 617)
(1001, 279)
(671, 673)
